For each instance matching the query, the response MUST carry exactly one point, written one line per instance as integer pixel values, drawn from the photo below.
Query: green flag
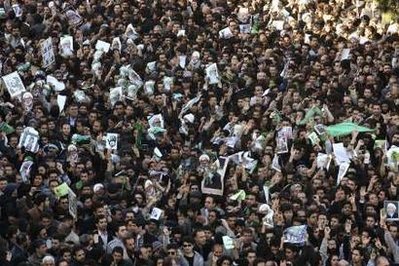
(346, 128)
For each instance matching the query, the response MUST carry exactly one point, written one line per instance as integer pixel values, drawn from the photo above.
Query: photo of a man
(391, 208)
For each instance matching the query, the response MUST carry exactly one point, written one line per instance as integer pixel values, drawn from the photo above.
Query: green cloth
(346, 128)
(310, 114)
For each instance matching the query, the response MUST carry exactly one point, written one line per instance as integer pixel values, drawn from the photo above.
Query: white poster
(115, 95)
(111, 142)
(48, 56)
(29, 139)
(156, 213)
(116, 44)
(103, 46)
(66, 43)
(14, 84)
(73, 204)
(295, 234)
(61, 100)
(213, 177)
(73, 17)
(225, 33)
(212, 74)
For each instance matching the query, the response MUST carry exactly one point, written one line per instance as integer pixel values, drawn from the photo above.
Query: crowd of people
(198, 133)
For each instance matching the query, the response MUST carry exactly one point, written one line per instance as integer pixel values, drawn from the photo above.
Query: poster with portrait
(111, 142)
(282, 146)
(391, 210)
(212, 73)
(72, 204)
(14, 84)
(66, 43)
(48, 56)
(213, 177)
(29, 139)
(295, 234)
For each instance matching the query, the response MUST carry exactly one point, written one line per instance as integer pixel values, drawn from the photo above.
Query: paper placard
(14, 84)
(58, 85)
(102, 46)
(391, 209)
(245, 28)
(131, 32)
(278, 24)
(282, 146)
(213, 178)
(66, 43)
(212, 74)
(74, 19)
(61, 100)
(29, 139)
(345, 54)
(341, 155)
(182, 61)
(72, 204)
(314, 139)
(156, 121)
(228, 242)
(111, 142)
(167, 83)
(47, 50)
(116, 44)
(156, 213)
(115, 95)
(295, 234)
(343, 168)
(25, 169)
(225, 33)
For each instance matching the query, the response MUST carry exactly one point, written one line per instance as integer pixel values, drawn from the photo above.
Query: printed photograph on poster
(112, 141)
(391, 209)
(213, 177)
(66, 43)
(48, 56)
(212, 74)
(320, 129)
(29, 139)
(282, 146)
(14, 84)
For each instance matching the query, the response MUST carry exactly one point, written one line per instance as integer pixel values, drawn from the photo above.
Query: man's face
(80, 255)
(102, 224)
(356, 257)
(130, 245)
(200, 238)
(122, 232)
(42, 250)
(117, 256)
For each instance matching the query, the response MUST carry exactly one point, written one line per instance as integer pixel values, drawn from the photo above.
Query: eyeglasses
(187, 245)
(171, 252)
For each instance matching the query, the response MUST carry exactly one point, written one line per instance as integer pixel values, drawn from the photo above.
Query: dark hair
(117, 249)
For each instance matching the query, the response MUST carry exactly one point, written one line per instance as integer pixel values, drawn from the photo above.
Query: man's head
(120, 231)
